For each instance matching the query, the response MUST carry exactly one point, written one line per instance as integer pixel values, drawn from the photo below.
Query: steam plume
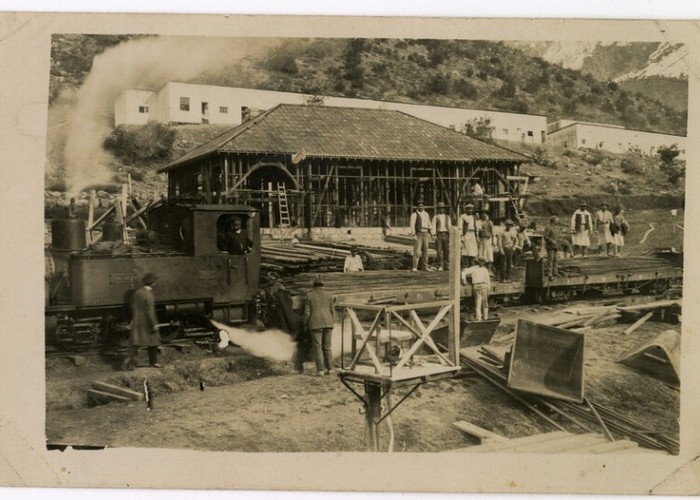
(273, 344)
(146, 63)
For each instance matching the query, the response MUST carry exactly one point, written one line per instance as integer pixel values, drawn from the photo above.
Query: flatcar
(89, 288)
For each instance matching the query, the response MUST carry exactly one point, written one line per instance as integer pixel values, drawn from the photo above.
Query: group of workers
(481, 246)
(478, 240)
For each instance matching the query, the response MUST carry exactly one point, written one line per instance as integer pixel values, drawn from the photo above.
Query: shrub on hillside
(283, 63)
(593, 156)
(631, 165)
(141, 143)
(466, 89)
(674, 171)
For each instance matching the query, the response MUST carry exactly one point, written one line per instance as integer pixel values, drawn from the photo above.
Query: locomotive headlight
(252, 213)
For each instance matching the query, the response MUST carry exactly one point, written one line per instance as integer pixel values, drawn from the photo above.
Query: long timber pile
(383, 286)
(309, 257)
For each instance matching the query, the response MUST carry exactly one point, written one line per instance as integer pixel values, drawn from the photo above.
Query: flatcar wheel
(542, 296)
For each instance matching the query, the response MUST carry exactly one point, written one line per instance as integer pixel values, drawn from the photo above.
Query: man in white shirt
(581, 225)
(353, 262)
(467, 224)
(420, 230)
(441, 226)
(481, 285)
(603, 218)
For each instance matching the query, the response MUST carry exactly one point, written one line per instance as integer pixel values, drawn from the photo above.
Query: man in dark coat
(144, 324)
(237, 240)
(319, 314)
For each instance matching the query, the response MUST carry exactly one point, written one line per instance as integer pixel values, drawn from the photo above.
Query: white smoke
(147, 63)
(273, 344)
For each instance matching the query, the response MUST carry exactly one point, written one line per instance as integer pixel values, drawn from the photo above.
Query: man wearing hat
(353, 262)
(420, 230)
(144, 324)
(603, 218)
(552, 243)
(441, 226)
(467, 223)
(507, 240)
(581, 225)
(319, 315)
(237, 241)
(481, 285)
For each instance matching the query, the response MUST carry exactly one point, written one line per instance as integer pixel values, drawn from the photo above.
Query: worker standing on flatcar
(603, 219)
(441, 226)
(507, 240)
(581, 225)
(552, 243)
(485, 233)
(144, 325)
(470, 246)
(481, 285)
(420, 230)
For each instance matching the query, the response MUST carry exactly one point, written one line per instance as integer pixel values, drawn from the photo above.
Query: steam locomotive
(89, 289)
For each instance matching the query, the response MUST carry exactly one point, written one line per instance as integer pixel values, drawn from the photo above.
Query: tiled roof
(335, 132)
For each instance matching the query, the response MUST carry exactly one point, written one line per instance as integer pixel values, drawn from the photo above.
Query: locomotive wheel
(169, 333)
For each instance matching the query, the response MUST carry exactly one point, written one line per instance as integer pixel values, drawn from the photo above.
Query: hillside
(656, 70)
(465, 73)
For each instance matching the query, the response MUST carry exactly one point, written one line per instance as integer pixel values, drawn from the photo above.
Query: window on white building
(223, 110)
(505, 131)
(530, 133)
(583, 141)
(143, 109)
(184, 103)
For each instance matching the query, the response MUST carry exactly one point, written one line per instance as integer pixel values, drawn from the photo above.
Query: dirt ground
(256, 405)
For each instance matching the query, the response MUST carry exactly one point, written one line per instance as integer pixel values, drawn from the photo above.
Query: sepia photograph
(387, 245)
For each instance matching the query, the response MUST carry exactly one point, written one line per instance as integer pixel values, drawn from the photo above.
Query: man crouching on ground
(481, 285)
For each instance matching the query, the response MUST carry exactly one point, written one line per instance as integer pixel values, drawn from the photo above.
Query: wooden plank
(650, 305)
(478, 432)
(511, 443)
(608, 447)
(106, 397)
(117, 390)
(564, 445)
(610, 318)
(638, 323)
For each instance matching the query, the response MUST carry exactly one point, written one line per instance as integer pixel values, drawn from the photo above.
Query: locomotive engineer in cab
(236, 241)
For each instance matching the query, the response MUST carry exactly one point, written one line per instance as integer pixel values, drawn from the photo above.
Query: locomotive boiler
(89, 288)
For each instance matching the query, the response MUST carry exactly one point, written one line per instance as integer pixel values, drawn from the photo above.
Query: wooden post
(373, 412)
(455, 295)
(307, 207)
(122, 211)
(91, 217)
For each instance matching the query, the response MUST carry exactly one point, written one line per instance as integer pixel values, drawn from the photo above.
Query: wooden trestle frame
(380, 377)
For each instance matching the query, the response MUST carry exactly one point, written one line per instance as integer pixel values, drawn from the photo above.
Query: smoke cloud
(147, 63)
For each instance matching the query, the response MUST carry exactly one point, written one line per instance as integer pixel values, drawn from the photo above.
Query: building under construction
(320, 166)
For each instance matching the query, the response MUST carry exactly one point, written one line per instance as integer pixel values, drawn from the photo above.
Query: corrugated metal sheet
(333, 132)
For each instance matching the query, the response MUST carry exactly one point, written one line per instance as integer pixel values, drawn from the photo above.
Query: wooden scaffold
(385, 354)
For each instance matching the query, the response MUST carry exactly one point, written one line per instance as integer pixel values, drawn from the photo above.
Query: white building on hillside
(178, 103)
(613, 138)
